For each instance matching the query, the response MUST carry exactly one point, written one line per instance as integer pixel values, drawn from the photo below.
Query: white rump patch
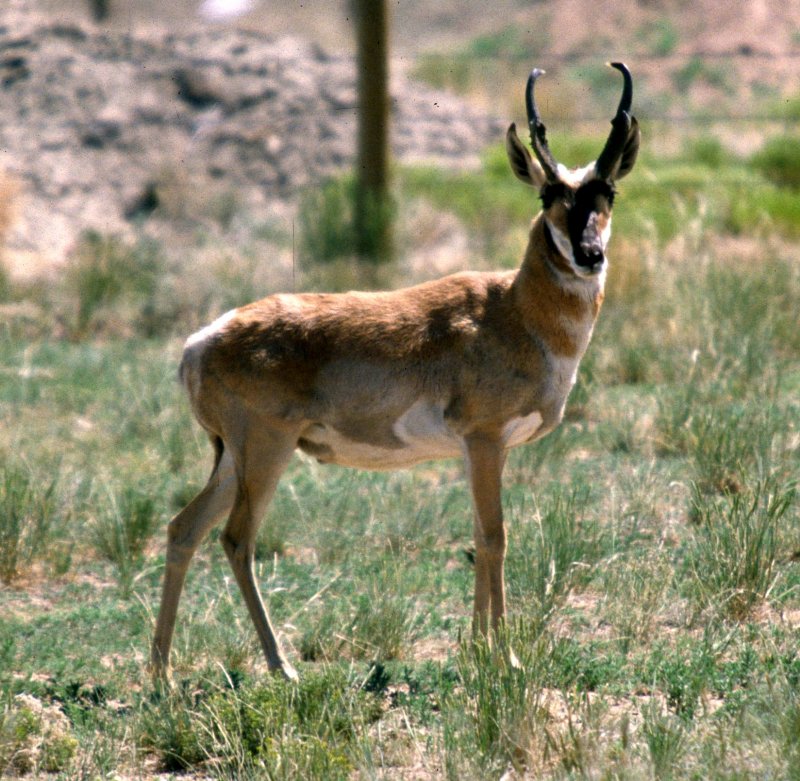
(210, 330)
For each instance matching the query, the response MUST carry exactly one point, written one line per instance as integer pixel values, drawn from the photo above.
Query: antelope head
(577, 202)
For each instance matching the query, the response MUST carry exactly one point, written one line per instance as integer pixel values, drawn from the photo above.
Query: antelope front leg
(485, 460)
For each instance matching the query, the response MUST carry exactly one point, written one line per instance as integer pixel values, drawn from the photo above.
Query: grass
(105, 275)
(26, 518)
(264, 730)
(734, 555)
(653, 539)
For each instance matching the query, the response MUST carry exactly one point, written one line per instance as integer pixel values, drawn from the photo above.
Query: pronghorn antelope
(469, 365)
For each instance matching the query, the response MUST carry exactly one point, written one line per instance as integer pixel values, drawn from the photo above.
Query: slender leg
(485, 461)
(258, 473)
(184, 534)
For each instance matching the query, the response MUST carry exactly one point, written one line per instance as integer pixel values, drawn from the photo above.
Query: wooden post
(372, 207)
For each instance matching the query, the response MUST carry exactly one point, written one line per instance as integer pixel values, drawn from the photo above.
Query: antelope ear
(629, 152)
(525, 168)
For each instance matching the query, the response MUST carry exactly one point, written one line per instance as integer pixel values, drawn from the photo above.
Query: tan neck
(555, 304)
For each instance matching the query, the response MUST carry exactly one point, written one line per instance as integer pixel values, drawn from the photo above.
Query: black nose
(592, 261)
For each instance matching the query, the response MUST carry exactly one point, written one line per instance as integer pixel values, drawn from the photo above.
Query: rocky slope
(98, 128)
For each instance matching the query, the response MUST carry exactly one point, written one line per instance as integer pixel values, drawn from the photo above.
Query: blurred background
(219, 127)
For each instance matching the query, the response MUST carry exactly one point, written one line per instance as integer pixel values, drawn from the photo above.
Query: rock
(195, 88)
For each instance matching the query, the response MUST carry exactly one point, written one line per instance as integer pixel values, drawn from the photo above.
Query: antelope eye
(556, 191)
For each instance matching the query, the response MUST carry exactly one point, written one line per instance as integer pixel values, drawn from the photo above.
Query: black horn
(538, 132)
(609, 159)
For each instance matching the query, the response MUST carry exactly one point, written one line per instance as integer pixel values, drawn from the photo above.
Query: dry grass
(9, 193)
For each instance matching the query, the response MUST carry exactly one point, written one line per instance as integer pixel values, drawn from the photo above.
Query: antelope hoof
(286, 671)
(161, 679)
(158, 670)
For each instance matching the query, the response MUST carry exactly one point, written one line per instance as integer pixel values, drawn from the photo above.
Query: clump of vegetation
(112, 284)
(327, 224)
(709, 151)
(496, 718)
(377, 622)
(5, 284)
(28, 507)
(554, 552)
(326, 221)
(127, 520)
(9, 192)
(779, 161)
(666, 736)
(280, 731)
(463, 70)
(734, 554)
(35, 737)
(661, 37)
(696, 70)
(8, 200)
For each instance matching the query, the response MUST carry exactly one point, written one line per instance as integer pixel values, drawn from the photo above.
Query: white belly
(423, 429)
(422, 434)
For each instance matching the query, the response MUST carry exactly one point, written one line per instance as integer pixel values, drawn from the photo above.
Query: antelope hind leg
(185, 532)
(259, 467)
